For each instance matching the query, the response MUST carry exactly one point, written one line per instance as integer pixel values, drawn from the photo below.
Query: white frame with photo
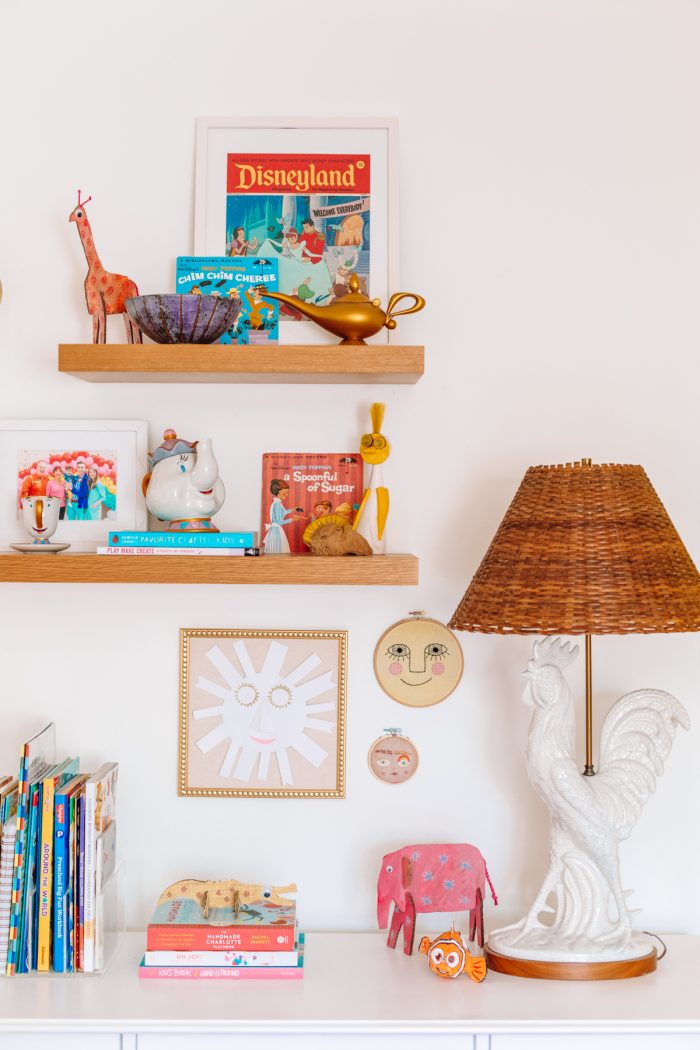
(218, 136)
(128, 438)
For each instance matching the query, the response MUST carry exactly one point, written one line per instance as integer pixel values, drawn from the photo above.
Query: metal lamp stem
(588, 770)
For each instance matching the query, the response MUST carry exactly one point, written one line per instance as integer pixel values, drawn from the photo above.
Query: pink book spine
(221, 973)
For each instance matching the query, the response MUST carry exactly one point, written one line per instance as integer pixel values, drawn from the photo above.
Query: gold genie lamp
(355, 316)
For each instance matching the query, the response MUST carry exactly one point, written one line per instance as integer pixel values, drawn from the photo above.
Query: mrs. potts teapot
(183, 486)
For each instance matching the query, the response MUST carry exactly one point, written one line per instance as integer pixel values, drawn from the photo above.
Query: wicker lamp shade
(583, 550)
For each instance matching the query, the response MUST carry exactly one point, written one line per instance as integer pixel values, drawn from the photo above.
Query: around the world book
(179, 924)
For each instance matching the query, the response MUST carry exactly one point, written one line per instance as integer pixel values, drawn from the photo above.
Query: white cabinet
(599, 1041)
(59, 1041)
(355, 995)
(369, 1041)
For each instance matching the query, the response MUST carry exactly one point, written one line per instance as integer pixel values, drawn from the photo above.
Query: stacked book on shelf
(57, 852)
(211, 544)
(189, 940)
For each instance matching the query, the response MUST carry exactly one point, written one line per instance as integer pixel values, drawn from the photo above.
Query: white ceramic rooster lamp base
(570, 920)
(584, 549)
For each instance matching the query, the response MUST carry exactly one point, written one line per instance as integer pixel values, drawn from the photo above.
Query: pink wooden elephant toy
(445, 878)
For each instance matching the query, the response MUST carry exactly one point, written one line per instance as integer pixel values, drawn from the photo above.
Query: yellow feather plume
(376, 411)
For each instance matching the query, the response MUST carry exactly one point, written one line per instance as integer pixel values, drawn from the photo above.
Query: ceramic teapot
(183, 486)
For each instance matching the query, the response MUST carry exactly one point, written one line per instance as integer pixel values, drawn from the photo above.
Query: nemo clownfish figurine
(448, 956)
(374, 509)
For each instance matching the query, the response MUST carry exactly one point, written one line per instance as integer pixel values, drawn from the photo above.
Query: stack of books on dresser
(58, 835)
(211, 544)
(188, 942)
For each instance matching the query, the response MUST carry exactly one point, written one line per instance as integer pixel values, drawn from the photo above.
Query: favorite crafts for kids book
(242, 277)
(298, 487)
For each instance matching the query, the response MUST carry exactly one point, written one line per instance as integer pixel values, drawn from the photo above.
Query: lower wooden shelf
(380, 570)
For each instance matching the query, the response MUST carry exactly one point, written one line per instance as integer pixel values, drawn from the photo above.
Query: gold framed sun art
(262, 713)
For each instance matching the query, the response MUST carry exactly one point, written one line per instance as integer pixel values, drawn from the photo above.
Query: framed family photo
(262, 713)
(319, 196)
(93, 467)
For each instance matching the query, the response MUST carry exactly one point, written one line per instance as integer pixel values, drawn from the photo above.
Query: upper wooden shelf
(196, 363)
(379, 570)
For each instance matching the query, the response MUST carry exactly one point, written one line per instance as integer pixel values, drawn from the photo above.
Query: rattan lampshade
(583, 550)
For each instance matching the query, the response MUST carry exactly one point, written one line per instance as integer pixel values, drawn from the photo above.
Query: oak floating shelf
(379, 570)
(214, 363)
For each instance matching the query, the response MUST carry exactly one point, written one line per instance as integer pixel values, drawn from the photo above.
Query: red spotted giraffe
(104, 292)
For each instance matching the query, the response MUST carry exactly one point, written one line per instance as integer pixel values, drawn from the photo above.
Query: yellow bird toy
(374, 509)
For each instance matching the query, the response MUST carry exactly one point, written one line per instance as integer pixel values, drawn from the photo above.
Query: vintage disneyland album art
(310, 213)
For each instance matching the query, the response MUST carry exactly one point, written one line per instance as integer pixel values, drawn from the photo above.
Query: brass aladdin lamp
(355, 317)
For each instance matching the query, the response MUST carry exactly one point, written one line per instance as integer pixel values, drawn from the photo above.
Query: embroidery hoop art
(399, 740)
(427, 631)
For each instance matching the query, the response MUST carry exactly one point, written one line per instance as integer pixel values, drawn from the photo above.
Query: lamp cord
(657, 938)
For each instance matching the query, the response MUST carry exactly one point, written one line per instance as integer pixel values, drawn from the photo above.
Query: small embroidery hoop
(391, 733)
(417, 614)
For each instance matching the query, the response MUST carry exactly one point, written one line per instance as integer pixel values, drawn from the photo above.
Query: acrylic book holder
(110, 924)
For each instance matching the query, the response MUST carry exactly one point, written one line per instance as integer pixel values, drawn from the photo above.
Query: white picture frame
(378, 137)
(125, 439)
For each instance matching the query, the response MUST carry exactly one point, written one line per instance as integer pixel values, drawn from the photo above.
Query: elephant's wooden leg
(396, 923)
(479, 916)
(409, 925)
(472, 922)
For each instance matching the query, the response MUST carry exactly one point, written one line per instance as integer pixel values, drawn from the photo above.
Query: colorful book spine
(18, 862)
(7, 857)
(183, 539)
(80, 898)
(177, 552)
(181, 938)
(222, 973)
(61, 873)
(43, 957)
(27, 925)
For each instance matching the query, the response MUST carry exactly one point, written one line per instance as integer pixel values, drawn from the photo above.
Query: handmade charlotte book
(180, 924)
(100, 810)
(241, 277)
(298, 487)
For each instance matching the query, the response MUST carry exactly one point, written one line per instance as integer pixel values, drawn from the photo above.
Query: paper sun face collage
(263, 713)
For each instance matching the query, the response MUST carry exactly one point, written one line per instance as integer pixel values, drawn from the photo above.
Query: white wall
(550, 213)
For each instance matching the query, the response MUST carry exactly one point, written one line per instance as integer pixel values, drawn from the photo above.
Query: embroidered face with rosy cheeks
(418, 662)
(393, 759)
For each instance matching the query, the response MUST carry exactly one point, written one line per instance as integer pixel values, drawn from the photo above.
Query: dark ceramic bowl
(183, 318)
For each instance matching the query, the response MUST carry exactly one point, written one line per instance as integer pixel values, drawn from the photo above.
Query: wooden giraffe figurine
(104, 292)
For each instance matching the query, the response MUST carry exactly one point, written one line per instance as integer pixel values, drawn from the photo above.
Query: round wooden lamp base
(570, 971)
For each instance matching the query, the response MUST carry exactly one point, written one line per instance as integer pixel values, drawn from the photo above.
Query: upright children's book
(38, 755)
(242, 277)
(100, 811)
(298, 487)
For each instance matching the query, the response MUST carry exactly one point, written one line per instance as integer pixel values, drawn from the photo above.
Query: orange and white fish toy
(448, 956)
